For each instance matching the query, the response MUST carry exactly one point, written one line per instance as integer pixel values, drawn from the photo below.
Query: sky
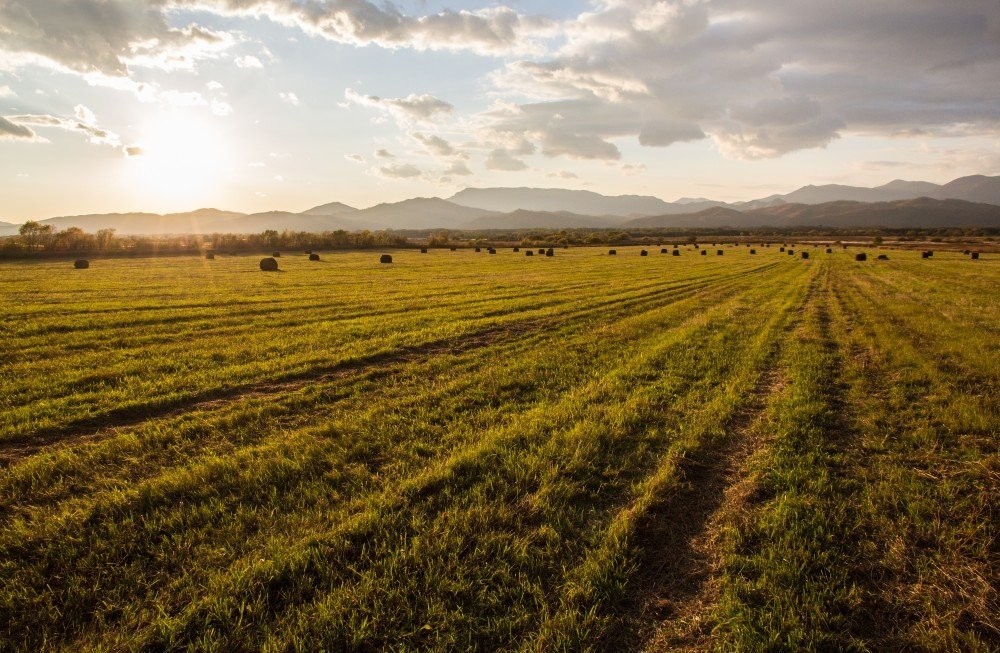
(254, 105)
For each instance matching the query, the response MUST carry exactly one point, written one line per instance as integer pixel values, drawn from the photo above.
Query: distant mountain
(522, 219)
(917, 213)
(8, 229)
(283, 220)
(144, 223)
(420, 213)
(975, 188)
(582, 202)
(333, 208)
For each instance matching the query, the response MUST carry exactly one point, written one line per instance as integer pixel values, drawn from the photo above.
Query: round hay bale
(385, 258)
(453, 248)
(529, 253)
(677, 252)
(791, 252)
(541, 250)
(565, 246)
(269, 264)
(805, 255)
(696, 246)
(612, 252)
(664, 250)
(930, 253)
(490, 250)
(314, 257)
(517, 249)
(210, 256)
(643, 253)
(675, 245)
(550, 252)
(753, 251)
(276, 255)
(781, 249)
(924, 255)
(718, 252)
(423, 250)
(974, 256)
(81, 264)
(829, 251)
(704, 252)
(883, 257)
(861, 256)
(479, 249)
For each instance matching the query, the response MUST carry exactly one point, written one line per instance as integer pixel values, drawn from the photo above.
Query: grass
(464, 451)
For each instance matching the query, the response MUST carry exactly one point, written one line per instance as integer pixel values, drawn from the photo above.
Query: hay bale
(782, 249)
(753, 251)
(454, 249)
(643, 253)
(677, 252)
(704, 252)
(965, 251)
(529, 252)
(385, 258)
(612, 252)
(664, 250)
(81, 264)
(479, 249)
(924, 255)
(565, 246)
(517, 249)
(974, 256)
(696, 246)
(883, 257)
(490, 250)
(930, 253)
(829, 251)
(550, 252)
(791, 252)
(210, 256)
(718, 252)
(314, 257)
(269, 264)
(276, 254)
(861, 257)
(805, 255)
(541, 250)
(423, 250)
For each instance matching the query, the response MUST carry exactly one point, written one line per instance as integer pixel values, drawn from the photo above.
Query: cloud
(214, 85)
(133, 150)
(412, 108)
(458, 167)
(356, 158)
(10, 130)
(102, 36)
(434, 144)
(383, 153)
(563, 174)
(759, 79)
(6, 91)
(220, 108)
(399, 171)
(290, 98)
(501, 159)
(82, 122)
(248, 61)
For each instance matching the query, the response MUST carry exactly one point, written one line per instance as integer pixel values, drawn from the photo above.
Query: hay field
(464, 451)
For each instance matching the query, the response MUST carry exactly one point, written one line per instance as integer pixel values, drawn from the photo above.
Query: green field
(465, 451)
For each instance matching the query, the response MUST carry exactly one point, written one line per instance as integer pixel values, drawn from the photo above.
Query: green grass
(467, 452)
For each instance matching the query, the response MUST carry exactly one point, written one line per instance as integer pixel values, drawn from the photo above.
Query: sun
(181, 159)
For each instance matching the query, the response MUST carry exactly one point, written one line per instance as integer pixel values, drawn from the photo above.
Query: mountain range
(972, 201)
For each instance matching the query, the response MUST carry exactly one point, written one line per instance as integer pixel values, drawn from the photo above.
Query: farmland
(464, 451)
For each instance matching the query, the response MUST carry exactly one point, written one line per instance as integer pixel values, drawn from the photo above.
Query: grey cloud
(763, 79)
(400, 171)
(501, 159)
(13, 130)
(435, 144)
(458, 168)
(93, 133)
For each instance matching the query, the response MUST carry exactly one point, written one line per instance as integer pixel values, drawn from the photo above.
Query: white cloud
(214, 85)
(356, 158)
(83, 122)
(458, 167)
(248, 61)
(6, 91)
(290, 98)
(220, 108)
(412, 108)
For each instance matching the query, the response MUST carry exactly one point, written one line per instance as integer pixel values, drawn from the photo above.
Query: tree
(30, 231)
